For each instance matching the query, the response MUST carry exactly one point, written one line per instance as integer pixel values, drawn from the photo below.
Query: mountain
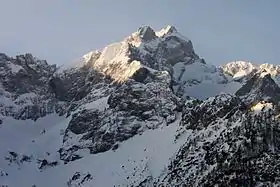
(146, 111)
(166, 50)
(245, 70)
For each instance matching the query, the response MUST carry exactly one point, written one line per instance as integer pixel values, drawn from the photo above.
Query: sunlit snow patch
(261, 106)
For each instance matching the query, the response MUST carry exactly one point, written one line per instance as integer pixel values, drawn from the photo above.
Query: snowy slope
(205, 90)
(202, 80)
(27, 137)
(137, 159)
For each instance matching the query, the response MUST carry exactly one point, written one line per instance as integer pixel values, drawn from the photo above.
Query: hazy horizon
(62, 31)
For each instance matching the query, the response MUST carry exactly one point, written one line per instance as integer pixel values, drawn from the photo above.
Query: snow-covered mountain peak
(165, 50)
(167, 30)
(244, 70)
(144, 48)
(145, 33)
(241, 64)
(263, 73)
(239, 69)
(270, 68)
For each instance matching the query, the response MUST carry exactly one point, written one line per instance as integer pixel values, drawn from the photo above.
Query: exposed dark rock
(3, 173)
(261, 87)
(133, 108)
(43, 164)
(79, 179)
(68, 155)
(85, 120)
(18, 159)
(141, 75)
(146, 33)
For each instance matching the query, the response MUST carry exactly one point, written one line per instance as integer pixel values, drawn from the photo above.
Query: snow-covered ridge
(143, 48)
(272, 69)
(240, 69)
(168, 30)
(164, 50)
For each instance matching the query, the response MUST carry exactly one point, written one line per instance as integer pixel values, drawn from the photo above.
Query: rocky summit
(145, 111)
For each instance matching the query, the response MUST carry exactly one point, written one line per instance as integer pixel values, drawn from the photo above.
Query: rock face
(149, 86)
(235, 147)
(261, 87)
(146, 33)
(24, 87)
(136, 77)
(79, 179)
(198, 114)
(132, 108)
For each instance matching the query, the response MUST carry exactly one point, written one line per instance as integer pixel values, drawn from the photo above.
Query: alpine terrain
(143, 112)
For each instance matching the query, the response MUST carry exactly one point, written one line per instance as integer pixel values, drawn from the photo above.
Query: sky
(61, 31)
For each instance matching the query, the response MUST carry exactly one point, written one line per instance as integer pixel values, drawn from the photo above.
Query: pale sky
(61, 31)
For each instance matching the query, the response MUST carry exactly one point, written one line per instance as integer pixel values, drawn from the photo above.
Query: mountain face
(166, 50)
(146, 111)
(228, 145)
(261, 87)
(24, 90)
(242, 70)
